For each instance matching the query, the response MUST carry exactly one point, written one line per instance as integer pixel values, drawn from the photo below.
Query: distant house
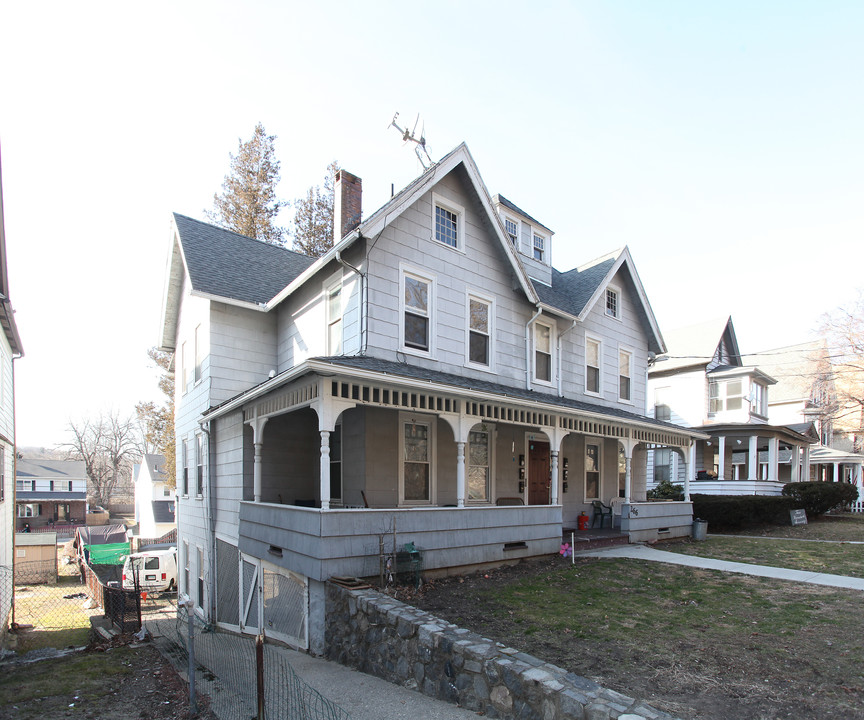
(50, 492)
(432, 377)
(10, 350)
(704, 383)
(154, 498)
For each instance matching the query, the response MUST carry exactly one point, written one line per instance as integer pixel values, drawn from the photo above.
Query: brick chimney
(347, 204)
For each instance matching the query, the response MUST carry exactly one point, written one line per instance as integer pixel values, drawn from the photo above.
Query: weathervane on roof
(419, 144)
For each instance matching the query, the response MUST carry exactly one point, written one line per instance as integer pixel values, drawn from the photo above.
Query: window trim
(514, 241)
(420, 419)
(197, 371)
(199, 465)
(599, 342)
(553, 360)
(623, 350)
(331, 286)
(542, 249)
(407, 271)
(490, 333)
(660, 393)
(459, 212)
(185, 469)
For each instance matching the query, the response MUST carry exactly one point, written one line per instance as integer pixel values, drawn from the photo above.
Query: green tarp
(107, 553)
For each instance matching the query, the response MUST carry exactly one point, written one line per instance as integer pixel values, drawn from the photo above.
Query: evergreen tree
(313, 219)
(248, 204)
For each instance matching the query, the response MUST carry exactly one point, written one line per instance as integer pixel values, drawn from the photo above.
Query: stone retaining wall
(381, 636)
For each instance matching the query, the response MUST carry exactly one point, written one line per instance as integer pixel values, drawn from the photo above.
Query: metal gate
(274, 601)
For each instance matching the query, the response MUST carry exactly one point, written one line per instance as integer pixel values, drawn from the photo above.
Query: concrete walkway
(643, 552)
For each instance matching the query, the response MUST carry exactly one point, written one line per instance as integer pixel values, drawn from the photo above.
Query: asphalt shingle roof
(57, 469)
(163, 511)
(225, 264)
(571, 290)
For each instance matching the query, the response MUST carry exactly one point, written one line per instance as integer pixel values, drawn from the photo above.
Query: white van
(156, 570)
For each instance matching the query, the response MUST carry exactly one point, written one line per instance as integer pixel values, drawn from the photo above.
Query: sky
(720, 141)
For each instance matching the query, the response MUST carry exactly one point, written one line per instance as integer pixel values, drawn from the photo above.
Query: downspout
(14, 480)
(528, 346)
(362, 299)
(559, 363)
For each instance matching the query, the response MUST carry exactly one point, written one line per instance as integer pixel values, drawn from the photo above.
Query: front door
(538, 473)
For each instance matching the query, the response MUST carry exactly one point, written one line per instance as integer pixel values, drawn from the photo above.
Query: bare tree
(843, 331)
(108, 445)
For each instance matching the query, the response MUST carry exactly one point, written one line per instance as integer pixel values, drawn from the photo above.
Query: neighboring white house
(432, 376)
(10, 350)
(154, 498)
(704, 383)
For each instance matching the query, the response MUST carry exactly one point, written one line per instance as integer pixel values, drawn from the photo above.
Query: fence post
(259, 667)
(190, 613)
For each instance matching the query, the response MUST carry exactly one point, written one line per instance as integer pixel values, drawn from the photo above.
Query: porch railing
(324, 543)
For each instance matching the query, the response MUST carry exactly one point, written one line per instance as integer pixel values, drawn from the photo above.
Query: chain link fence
(227, 672)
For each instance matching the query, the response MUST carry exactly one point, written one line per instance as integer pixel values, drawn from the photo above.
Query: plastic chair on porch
(602, 511)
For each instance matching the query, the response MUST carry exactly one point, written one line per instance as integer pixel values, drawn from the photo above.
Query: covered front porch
(338, 464)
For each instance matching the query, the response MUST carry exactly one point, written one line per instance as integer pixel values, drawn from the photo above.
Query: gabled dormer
(530, 238)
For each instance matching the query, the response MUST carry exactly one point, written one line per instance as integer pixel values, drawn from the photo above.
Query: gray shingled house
(432, 376)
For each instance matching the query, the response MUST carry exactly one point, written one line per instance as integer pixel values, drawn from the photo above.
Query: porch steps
(593, 539)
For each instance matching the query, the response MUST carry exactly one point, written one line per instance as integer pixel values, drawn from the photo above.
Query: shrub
(819, 497)
(665, 490)
(738, 511)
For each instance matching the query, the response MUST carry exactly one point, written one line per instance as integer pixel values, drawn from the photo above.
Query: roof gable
(698, 345)
(577, 291)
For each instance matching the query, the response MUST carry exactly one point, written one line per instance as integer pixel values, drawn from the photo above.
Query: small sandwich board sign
(799, 517)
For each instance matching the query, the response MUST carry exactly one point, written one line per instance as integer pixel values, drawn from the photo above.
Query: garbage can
(700, 530)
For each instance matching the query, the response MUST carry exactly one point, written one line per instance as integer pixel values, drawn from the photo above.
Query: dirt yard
(697, 644)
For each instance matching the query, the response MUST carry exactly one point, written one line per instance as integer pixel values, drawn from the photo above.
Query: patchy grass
(696, 643)
(839, 527)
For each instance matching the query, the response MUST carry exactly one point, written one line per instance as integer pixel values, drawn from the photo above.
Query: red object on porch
(583, 521)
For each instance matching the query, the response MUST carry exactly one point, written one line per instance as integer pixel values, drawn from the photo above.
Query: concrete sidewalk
(643, 552)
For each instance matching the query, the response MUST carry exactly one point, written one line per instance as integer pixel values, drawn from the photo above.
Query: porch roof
(415, 376)
(739, 430)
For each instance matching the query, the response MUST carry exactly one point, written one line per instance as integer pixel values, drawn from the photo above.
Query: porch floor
(594, 538)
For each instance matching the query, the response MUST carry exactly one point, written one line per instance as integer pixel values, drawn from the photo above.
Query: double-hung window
(479, 469)
(186, 467)
(336, 465)
(612, 303)
(662, 411)
(200, 578)
(199, 353)
(447, 222)
(417, 304)
(662, 464)
(512, 229)
(539, 247)
(333, 296)
(542, 352)
(625, 373)
(593, 351)
(758, 399)
(479, 331)
(725, 395)
(199, 470)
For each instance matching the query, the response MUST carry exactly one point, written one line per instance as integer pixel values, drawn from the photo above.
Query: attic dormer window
(447, 222)
(539, 247)
(512, 231)
(612, 308)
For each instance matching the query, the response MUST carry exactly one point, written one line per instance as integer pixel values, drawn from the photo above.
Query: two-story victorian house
(703, 383)
(432, 379)
(50, 493)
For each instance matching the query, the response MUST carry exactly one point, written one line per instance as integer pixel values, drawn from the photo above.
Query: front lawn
(696, 643)
(840, 527)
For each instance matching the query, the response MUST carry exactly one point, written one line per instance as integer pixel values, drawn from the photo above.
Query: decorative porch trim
(293, 398)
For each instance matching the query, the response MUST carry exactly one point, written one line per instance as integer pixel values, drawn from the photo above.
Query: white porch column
(258, 443)
(773, 457)
(460, 474)
(325, 470)
(627, 477)
(836, 472)
(806, 467)
(753, 460)
(691, 470)
(553, 478)
(795, 463)
(721, 458)
(857, 477)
